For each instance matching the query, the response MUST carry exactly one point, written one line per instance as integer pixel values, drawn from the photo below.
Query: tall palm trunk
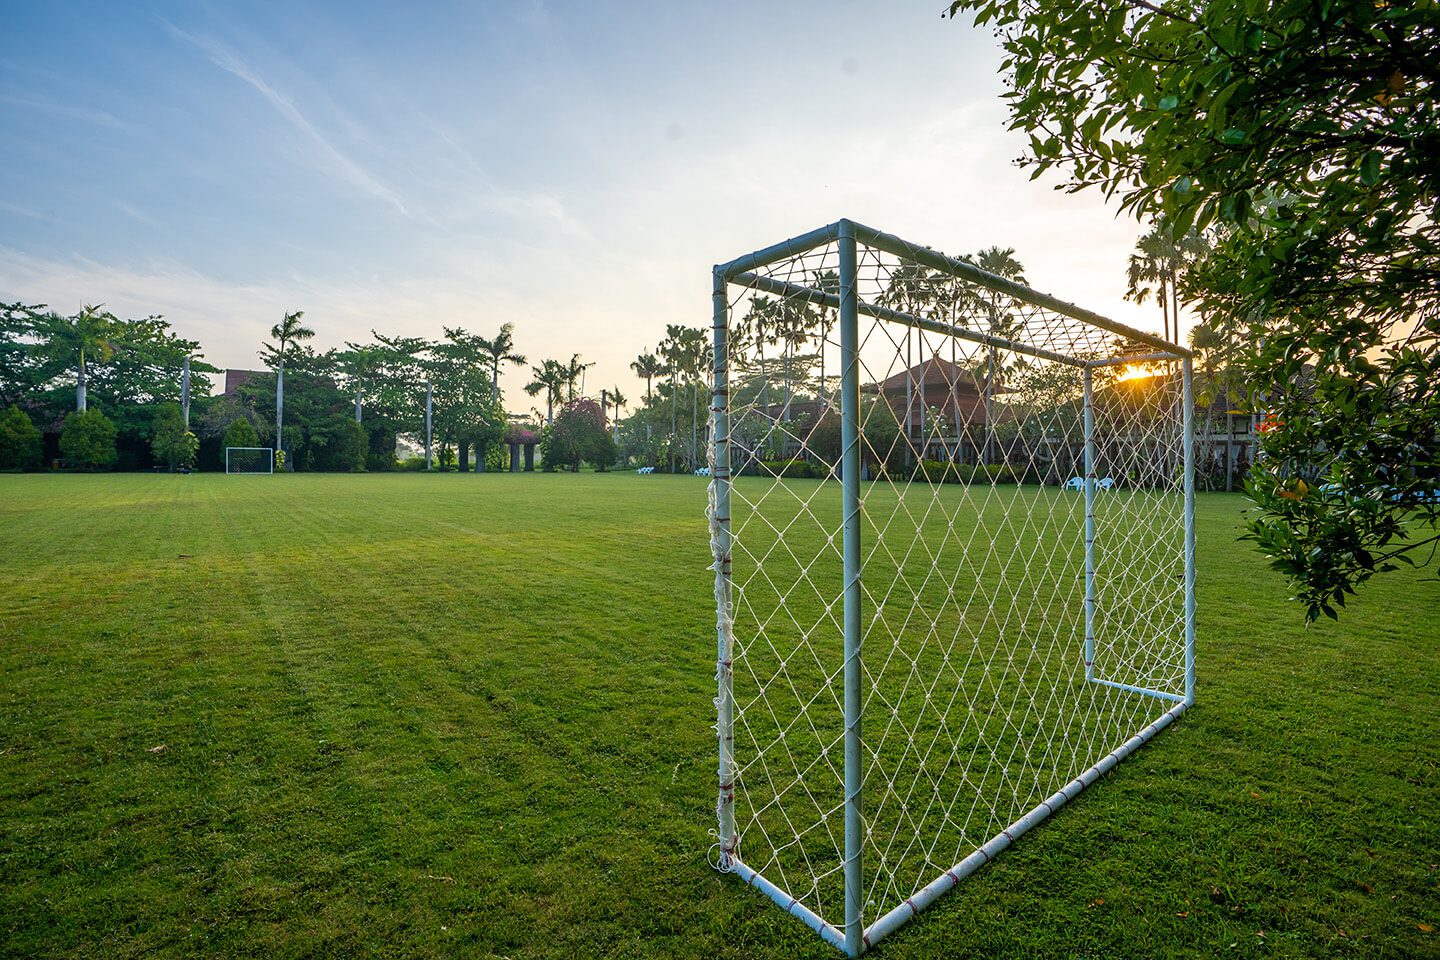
(358, 406)
(989, 382)
(80, 398)
(909, 399)
(694, 424)
(280, 407)
(185, 393)
(786, 360)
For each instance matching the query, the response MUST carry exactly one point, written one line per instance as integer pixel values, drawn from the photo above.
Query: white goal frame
(1125, 703)
(269, 463)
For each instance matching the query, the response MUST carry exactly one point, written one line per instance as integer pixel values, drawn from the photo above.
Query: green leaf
(1370, 168)
(1169, 103)
(1234, 136)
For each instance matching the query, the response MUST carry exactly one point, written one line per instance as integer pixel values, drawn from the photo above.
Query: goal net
(952, 525)
(249, 460)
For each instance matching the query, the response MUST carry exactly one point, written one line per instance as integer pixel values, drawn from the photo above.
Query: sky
(572, 168)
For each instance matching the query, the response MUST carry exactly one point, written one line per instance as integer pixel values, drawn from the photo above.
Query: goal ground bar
(887, 924)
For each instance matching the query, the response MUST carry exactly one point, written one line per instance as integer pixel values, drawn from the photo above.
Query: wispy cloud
(86, 114)
(327, 156)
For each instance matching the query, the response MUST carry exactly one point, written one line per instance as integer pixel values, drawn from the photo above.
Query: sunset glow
(1132, 372)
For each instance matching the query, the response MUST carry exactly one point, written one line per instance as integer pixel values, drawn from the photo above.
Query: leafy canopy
(1304, 135)
(88, 440)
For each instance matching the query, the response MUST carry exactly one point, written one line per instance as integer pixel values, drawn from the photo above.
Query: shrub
(785, 469)
(20, 442)
(241, 433)
(995, 473)
(941, 471)
(339, 444)
(88, 440)
(170, 442)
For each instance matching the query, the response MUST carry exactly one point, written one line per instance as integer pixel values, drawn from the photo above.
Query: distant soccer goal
(952, 522)
(249, 460)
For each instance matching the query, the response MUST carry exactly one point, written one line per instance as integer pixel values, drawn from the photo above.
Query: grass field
(471, 715)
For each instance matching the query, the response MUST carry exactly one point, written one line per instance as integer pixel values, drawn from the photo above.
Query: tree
(466, 411)
(647, 366)
(87, 332)
(1308, 137)
(88, 439)
(578, 434)
(359, 364)
(20, 441)
(574, 377)
(241, 433)
(999, 322)
(288, 332)
(501, 349)
(1160, 258)
(170, 442)
(551, 378)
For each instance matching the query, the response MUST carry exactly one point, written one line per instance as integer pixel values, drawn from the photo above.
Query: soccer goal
(952, 522)
(249, 460)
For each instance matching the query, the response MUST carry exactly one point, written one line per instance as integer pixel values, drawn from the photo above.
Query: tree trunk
(280, 408)
(357, 407)
(429, 434)
(909, 398)
(1229, 452)
(80, 398)
(462, 456)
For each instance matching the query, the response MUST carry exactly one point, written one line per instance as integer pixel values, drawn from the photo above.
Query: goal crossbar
(905, 250)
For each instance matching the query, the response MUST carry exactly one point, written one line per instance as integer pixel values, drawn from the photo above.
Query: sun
(1132, 372)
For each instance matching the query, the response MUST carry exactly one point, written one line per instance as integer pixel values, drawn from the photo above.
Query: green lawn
(471, 715)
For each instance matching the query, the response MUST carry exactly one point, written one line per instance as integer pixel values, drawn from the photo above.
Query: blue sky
(572, 168)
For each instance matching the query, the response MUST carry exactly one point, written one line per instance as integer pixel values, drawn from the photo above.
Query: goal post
(952, 526)
(243, 460)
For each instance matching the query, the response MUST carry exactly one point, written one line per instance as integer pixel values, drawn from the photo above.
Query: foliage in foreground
(1307, 136)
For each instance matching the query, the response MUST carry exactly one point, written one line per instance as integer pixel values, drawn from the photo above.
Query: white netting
(249, 460)
(977, 703)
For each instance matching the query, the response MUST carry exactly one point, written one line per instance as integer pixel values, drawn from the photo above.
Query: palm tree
(647, 366)
(1000, 322)
(574, 372)
(360, 364)
(501, 349)
(286, 333)
(672, 353)
(551, 376)
(759, 327)
(914, 289)
(88, 332)
(826, 281)
(1159, 258)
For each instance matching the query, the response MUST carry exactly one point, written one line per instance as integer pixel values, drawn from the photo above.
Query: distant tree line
(95, 391)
